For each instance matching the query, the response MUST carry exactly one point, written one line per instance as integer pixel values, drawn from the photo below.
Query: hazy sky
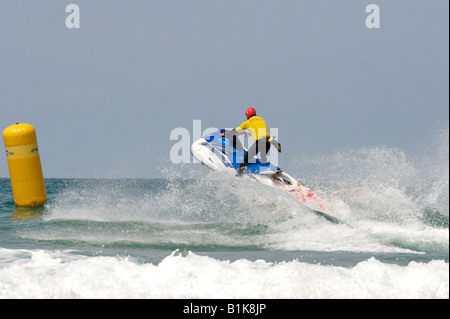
(105, 97)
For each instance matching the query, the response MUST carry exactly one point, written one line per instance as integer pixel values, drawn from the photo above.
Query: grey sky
(105, 97)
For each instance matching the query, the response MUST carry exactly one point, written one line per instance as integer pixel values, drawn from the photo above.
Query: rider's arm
(242, 127)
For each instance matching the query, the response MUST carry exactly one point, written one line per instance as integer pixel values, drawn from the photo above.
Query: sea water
(217, 236)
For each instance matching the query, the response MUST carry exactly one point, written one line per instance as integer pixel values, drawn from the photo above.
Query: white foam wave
(380, 195)
(394, 197)
(173, 213)
(45, 274)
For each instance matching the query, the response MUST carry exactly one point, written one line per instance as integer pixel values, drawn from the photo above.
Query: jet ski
(222, 150)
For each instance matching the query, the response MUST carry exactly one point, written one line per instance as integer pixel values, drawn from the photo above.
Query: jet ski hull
(221, 151)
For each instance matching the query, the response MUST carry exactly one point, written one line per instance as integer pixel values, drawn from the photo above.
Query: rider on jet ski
(258, 129)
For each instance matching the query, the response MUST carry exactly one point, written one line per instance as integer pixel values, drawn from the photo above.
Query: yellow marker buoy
(22, 153)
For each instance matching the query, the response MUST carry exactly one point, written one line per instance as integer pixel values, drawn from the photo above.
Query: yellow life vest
(256, 126)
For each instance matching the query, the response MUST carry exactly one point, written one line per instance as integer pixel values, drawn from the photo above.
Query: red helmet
(250, 112)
